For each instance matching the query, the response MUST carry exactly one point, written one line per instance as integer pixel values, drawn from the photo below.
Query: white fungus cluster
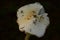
(32, 19)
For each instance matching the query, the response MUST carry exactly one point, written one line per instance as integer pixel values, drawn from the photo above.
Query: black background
(9, 28)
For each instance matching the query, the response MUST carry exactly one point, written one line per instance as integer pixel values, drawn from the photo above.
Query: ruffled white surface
(27, 25)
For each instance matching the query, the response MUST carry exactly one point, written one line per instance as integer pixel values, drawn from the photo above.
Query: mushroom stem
(27, 36)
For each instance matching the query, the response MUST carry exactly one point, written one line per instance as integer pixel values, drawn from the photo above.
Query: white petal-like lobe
(30, 21)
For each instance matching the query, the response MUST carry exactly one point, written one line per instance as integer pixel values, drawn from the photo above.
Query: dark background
(9, 28)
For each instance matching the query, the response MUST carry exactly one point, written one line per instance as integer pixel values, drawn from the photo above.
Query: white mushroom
(32, 19)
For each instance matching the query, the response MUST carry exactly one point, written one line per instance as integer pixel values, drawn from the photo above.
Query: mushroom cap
(32, 19)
